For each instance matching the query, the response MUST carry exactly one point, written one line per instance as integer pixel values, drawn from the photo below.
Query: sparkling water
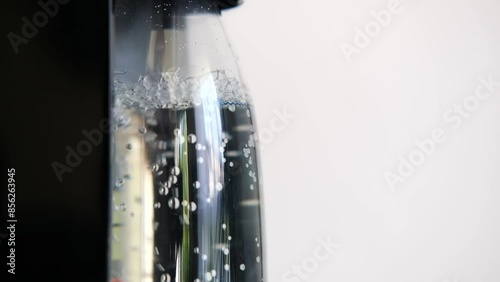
(186, 181)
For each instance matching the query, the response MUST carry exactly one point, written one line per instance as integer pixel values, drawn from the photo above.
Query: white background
(324, 172)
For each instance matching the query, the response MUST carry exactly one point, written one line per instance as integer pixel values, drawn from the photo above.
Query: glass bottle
(186, 203)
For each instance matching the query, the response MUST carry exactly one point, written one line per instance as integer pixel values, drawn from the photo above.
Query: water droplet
(257, 259)
(192, 138)
(226, 251)
(197, 184)
(204, 257)
(184, 203)
(157, 205)
(214, 273)
(173, 203)
(242, 267)
(196, 250)
(224, 226)
(251, 187)
(198, 146)
(208, 276)
(129, 146)
(142, 130)
(177, 132)
(209, 200)
(248, 113)
(231, 164)
(256, 239)
(232, 108)
(176, 170)
(200, 160)
(226, 267)
(229, 238)
(218, 187)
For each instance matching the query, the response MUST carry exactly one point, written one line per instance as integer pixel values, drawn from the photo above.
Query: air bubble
(200, 160)
(226, 267)
(142, 130)
(176, 170)
(129, 146)
(242, 267)
(155, 167)
(198, 146)
(204, 257)
(193, 206)
(232, 108)
(119, 183)
(208, 276)
(224, 226)
(214, 273)
(231, 164)
(184, 203)
(165, 278)
(257, 259)
(229, 238)
(192, 138)
(248, 113)
(226, 251)
(218, 187)
(157, 205)
(173, 203)
(251, 187)
(122, 207)
(197, 184)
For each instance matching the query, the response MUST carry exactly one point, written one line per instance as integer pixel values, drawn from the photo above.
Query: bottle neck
(193, 43)
(182, 35)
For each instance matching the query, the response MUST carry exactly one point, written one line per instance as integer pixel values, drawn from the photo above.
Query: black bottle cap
(226, 4)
